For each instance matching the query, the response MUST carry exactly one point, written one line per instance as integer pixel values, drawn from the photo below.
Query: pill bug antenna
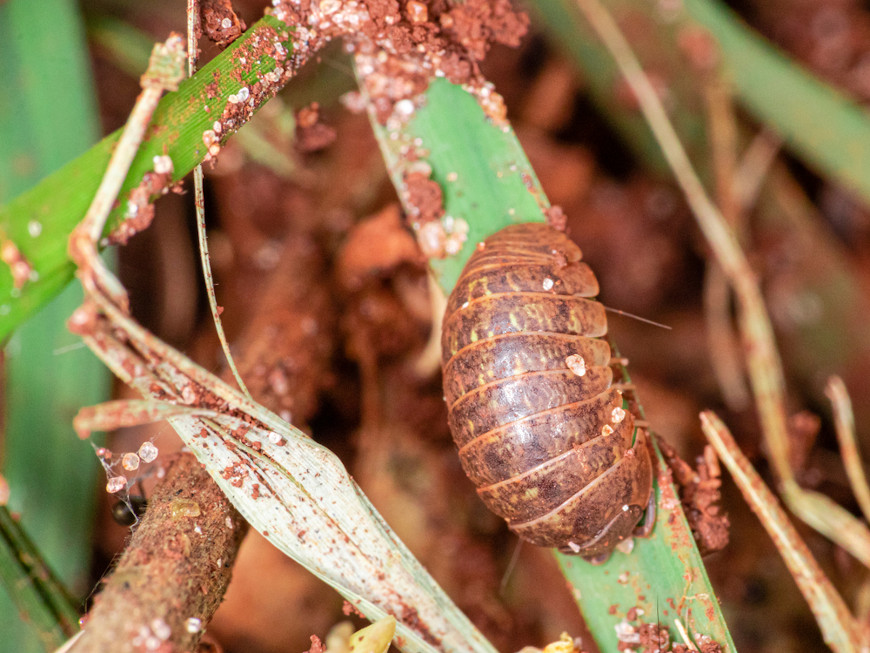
(637, 317)
(509, 570)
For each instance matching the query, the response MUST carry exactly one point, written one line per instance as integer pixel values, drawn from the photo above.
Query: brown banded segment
(534, 238)
(499, 314)
(511, 354)
(531, 433)
(625, 487)
(595, 411)
(519, 446)
(546, 487)
(575, 279)
(508, 400)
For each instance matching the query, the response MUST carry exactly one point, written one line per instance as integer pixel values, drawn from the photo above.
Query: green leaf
(47, 116)
(487, 181)
(39, 221)
(828, 130)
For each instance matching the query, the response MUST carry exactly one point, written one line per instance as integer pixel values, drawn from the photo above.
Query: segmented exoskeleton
(540, 429)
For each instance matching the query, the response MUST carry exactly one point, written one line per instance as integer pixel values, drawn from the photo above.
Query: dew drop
(606, 430)
(184, 508)
(193, 625)
(573, 546)
(404, 107)
(147, 452)
(161, 629)
(130, 462)
(548, 283)
(274, 438)
(34, 228)
(116, 484)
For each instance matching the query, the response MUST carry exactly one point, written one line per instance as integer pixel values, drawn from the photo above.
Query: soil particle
(139, 211)
(707, 645)
(375, 247)
(409, 47)
(312, 134)
(349, 609)
(654, 637)
(476, 24)
(556, 218)
(18, 264)
(316, 645)
(424, 195)
(220, 22)
(700, 495)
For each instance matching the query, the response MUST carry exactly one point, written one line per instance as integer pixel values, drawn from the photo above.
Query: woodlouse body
(540, 429)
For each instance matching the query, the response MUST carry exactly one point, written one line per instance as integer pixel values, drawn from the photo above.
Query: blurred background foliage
(71, 72)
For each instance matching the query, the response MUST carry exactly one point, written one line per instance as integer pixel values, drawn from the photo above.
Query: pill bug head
(540, 429)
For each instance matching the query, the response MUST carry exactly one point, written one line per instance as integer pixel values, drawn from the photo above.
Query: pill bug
(540, 429)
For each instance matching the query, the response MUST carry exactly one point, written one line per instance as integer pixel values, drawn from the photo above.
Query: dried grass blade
(839, 628)
(844, 421)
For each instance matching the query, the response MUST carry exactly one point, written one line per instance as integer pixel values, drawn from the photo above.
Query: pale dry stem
(839, 629)
(724, 342)
(164, 72)
(844, 422)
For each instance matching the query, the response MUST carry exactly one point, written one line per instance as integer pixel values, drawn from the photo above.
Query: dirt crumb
(18, 264)
(220, 22)
(556, 218)
(477, 23)
(139, 211)
(707, 645)
(316, 645)
(349, 609)
(374, 247)
(312, 134)
(654, 637)
(700, 495)
(424, 195)
(423, 41)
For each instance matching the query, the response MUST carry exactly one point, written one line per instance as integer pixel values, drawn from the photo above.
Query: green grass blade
(53, 207)
(51, 473)
(656, 46)
(829, 131)
(487, 181)
(484, 184)
(38, 595)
